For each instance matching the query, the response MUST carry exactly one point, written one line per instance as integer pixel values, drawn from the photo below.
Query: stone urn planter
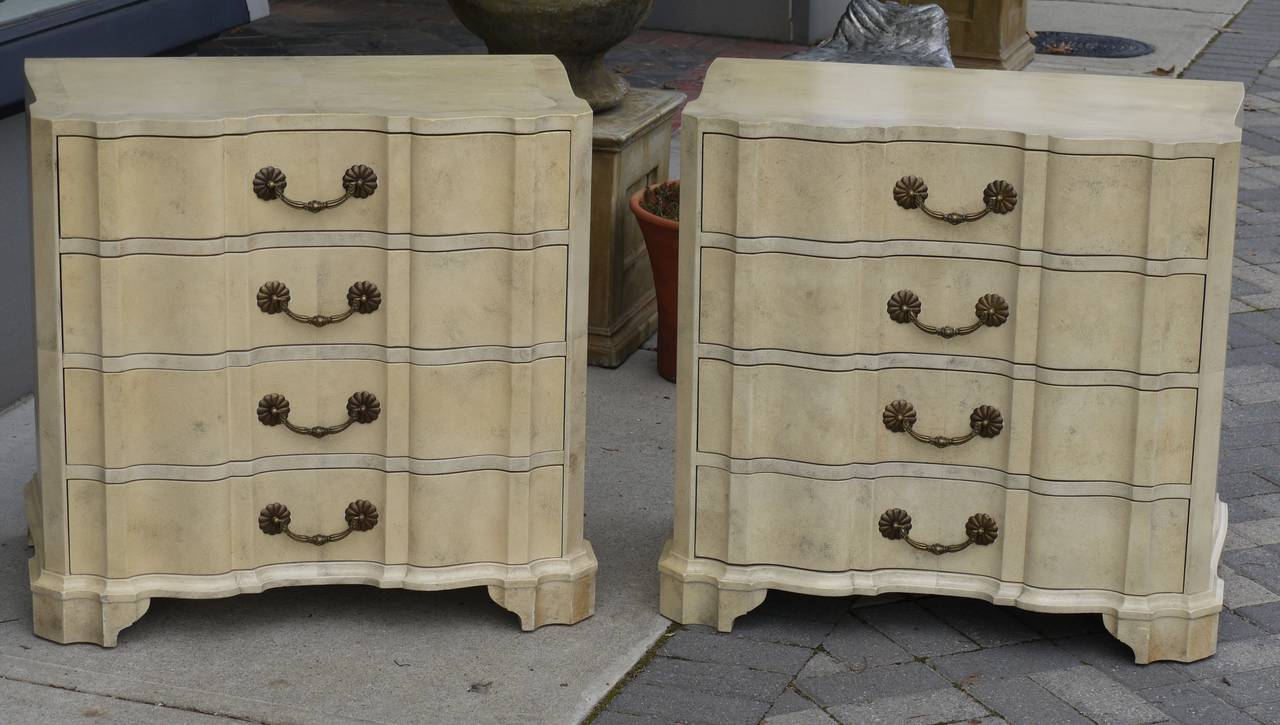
(578, 32)
(657, 210)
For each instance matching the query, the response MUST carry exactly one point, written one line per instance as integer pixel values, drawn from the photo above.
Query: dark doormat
(1087, 45)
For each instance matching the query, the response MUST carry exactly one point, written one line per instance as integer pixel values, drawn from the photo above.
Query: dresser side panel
(574, 412)
(687, 365)
(1202, 558)
(48, 326)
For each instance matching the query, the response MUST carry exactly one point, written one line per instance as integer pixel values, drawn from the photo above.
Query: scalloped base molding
(80, 608)
(1182, 627)
(69, 609)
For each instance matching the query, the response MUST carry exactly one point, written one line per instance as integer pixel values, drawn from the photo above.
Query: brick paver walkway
(900, 659)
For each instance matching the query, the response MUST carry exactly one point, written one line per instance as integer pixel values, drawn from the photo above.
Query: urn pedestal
(987, 33)
(578, 32)
(631, 149)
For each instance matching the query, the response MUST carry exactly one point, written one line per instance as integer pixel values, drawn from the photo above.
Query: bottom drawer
(1053, 542)
(182, 527)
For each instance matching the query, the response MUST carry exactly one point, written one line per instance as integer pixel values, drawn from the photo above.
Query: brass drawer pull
(980, 529)
(274, 519)
(362, 297)
(998, 198)
(904, 306)
(362, 407)
(359, 181)
(984, 421)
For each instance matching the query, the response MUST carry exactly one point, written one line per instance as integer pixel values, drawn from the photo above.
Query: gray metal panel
(761, 19)
(823, 16)
(803, 22)
(17, 329)
(110, 28)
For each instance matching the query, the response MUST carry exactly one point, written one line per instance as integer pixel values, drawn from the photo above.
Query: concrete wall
(17, 336)
(787, 21)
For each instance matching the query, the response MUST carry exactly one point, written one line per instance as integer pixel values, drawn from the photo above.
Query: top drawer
(203, 188)
(1066, 204)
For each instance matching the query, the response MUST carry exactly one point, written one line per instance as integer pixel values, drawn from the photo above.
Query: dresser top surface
(434, 87)
(1054, 104)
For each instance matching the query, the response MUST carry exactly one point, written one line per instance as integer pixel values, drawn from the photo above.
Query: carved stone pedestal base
(631, 148)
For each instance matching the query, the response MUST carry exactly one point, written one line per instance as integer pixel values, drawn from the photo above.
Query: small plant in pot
(657, 209)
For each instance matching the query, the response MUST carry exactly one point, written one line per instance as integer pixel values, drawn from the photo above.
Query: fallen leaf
(1162, 71)
(1031, 34)
(1061, 48)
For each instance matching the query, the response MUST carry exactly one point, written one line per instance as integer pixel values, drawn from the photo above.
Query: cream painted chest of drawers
(240, 388)
(955, 332)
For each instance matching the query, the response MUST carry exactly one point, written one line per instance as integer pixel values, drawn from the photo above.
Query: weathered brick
(1115, 659)
(1264, 614)
(1246, 689)
(609, 717)
(789, 630)
(1245, 483)
(1022, 701)
(684, 705)
(982, 622)
(1242, 509)
(811, 716)
(1098, 697)
(1190, 703)
(918, 631)
(861, 646)
(823, 664)
(1256, 393)
(790, 701)
(705, 646)
(853, 687)
(1059, 625)
(801, 606)
(1268, 714)
(1008, 661)
(1242, 655)
(1257, 564)
(1261, 532)
(1232, 626)
(1240, 591)
(1257, 458)
(714, 678)
(934, 706)
(1241, 336)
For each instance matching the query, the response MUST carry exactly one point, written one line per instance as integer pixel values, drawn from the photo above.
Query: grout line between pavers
(632, 673)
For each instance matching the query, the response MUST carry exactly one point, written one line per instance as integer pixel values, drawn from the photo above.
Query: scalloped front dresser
(307, 321)
(955, 332)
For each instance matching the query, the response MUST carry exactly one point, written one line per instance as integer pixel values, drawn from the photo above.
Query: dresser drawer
(1078, 542)
(114, 306)
(177, 527)
(178, 418)
(838, 192)
(1051, 432)
(204, 188)
(1077, 320)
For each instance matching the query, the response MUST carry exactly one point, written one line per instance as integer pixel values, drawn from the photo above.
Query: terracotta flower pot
(662, 240)
(579, 32)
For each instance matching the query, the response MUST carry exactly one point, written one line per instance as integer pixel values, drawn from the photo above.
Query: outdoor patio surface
(351, 654)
